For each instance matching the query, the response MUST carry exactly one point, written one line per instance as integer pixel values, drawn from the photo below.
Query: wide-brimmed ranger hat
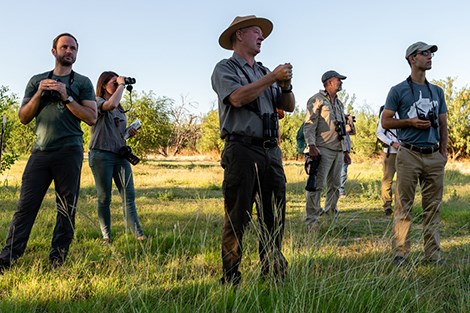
(242, 22)
(419, 46)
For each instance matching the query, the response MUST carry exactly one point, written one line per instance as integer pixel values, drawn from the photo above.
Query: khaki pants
(329, 172)
(388, 166)
(428, 171)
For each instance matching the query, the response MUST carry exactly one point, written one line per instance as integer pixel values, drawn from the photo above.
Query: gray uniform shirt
(226, 78)
(108, 132)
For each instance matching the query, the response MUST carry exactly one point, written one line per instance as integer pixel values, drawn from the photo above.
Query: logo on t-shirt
(422, 106)
(61, 107)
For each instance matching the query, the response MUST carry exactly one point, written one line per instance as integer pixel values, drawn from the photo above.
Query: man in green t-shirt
(58, 101)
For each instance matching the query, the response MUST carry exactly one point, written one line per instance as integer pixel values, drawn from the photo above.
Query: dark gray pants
(63, 167)
(251, 171)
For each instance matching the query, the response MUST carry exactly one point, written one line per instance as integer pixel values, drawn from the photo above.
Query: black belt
(424, 150)
(260, 142)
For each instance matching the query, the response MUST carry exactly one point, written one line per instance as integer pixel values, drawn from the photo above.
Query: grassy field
(346, 267)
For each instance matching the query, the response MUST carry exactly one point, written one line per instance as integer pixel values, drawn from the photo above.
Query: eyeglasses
(426, 53)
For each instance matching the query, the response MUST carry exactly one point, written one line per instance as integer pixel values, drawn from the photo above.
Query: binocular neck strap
(71, 76)
(410, 82)
(251, 107)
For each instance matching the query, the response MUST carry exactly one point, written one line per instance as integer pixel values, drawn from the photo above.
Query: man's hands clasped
(283, 75)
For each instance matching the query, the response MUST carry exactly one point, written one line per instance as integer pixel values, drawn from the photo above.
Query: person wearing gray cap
(325, 133)
(249, 95)
(422, 155)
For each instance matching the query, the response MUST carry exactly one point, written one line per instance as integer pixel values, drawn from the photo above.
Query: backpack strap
(71, 80)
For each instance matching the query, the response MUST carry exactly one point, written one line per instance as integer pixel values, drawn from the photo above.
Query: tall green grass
(345, 267)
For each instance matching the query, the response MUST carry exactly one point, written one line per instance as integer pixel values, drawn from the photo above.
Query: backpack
(301, 144)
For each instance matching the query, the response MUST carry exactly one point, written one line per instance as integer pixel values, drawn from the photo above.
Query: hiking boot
(141, 238)
(56, 263)
(388, 211)
(233, 279)
(437, 262)
(4, 265)
(313, 227)
(399, 260)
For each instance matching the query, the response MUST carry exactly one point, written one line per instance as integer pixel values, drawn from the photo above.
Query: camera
(126, 153)
(351, 118)
(129, 80)
(311, 168)
(340, 128)
(270, 125)
(430, 116)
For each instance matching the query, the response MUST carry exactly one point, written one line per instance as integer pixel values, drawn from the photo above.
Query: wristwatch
(69, 99)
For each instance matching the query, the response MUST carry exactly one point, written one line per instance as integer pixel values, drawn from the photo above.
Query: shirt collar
(242, 61)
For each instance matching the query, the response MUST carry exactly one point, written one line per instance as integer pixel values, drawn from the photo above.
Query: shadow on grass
(177, 164)
(320, 279)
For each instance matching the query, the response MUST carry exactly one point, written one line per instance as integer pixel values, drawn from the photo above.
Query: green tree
(347, 100)
(288, 127)
(154, 114)
(209, 139)
(10, 140)
(364, 142)
(458, 117)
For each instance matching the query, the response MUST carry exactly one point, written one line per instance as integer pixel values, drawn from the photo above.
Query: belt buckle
(270, 143)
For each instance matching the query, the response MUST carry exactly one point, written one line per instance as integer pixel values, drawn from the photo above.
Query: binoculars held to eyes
(129, 80)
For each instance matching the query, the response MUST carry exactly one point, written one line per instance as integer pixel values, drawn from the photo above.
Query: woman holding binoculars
(108, 137)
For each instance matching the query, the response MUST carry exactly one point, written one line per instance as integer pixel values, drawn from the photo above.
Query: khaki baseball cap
(419, 46)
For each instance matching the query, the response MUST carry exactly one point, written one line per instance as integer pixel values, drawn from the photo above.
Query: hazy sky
(171, 47)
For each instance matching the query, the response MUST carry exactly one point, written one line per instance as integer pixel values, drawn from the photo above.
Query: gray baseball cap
(331, 74)
(419, 46)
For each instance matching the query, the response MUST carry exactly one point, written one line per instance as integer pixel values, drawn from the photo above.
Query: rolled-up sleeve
(311, 120)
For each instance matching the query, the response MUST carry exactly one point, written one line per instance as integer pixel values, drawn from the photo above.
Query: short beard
(64, 62)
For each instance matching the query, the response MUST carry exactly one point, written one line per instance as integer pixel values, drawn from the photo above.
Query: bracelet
(289, 90)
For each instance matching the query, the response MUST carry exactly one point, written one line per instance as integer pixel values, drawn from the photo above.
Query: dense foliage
(210, 133)
(458, 118)
(14, 140)
(169, 128)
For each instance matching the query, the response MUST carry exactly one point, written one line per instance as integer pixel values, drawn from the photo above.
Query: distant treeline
(169, 128)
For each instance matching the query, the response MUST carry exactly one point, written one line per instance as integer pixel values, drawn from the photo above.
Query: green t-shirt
(56, 126)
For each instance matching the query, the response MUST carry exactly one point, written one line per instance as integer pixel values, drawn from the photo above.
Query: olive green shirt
(56, 126)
